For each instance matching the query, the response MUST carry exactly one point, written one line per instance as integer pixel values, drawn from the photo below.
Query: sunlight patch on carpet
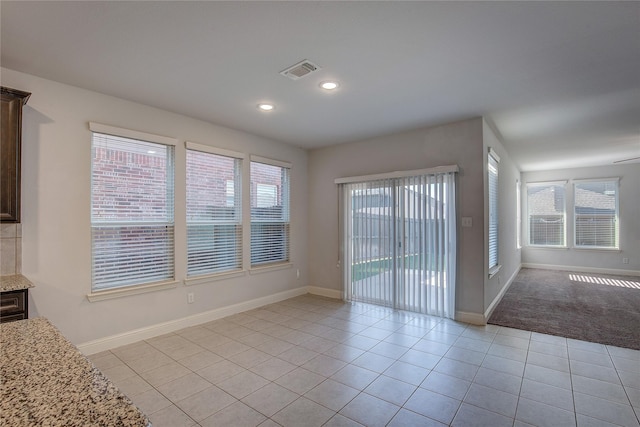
(604, 281)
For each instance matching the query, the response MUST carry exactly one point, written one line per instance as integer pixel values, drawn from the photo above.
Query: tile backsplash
(10, 249)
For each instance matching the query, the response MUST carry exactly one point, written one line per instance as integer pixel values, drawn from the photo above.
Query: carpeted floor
(586, 306)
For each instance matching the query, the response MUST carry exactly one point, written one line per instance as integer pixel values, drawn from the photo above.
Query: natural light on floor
(604, 281)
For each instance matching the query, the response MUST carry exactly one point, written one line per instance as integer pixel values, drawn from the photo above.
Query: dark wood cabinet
(14, 305)
(10, 148)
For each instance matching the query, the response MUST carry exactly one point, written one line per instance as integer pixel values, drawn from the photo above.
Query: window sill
(596, 249)
(130, 290)
(560, 248)
(270, 267)
(494, 270)
(206, 278)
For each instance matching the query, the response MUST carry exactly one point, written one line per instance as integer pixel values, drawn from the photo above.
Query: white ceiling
(560, 81)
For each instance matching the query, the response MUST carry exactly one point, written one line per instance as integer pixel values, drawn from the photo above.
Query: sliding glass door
(399, 242)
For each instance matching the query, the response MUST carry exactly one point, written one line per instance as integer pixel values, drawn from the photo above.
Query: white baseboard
(129, 337)
(324, 292)
(582, 269)
(472, 318)
(498, 297)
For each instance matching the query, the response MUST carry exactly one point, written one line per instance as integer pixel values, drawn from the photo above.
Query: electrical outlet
(190, 298)
(625, 260)
(467, 221)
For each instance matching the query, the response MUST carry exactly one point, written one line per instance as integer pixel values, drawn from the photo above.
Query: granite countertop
(15, 282)
(46, 381)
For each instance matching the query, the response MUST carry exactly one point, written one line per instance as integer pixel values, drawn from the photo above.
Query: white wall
(56, 211)
(586, 259)
(458, 143)
(509, 255)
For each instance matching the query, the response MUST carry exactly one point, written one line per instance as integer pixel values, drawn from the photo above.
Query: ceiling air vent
(300, 70)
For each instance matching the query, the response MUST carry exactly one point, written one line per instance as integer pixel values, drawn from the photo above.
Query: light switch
(467, 221)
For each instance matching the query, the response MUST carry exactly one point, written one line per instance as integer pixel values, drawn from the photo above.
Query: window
(214, 216)
(492, 170)
(546, 214)
(269, 212)
(596, 214)
(132, 224)
(518, 215)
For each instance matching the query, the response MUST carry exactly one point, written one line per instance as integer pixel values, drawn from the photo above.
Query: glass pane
(211, 192)
(131, 180)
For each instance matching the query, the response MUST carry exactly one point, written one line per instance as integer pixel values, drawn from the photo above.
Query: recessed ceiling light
(329, 85)
(263, 106)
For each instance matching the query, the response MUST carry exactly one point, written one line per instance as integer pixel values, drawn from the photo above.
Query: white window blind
(269, 213)
(518, 215)
(492, 170)
(546, 214)
(132, 218)
(596, 214)
(214, 215)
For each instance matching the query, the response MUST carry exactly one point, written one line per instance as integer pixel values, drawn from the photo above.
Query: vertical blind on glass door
(399, 240)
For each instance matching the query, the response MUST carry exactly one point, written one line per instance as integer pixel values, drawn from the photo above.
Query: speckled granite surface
(46, 381)
(15, 282)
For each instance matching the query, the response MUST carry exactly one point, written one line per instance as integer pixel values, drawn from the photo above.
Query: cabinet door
(11, 119)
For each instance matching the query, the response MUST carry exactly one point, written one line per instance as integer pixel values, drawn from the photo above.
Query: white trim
(582, 269)
(563, 248)
(494, 154)
(272, 162)
(213, 150)
(270, 267)
(595, 248)
(325, 292)
(130, 290)
(133, 134)
(494, 270)
(546, 183)
(129, 337)
(206, 278)
(610, 179)
(471, 318)
(397, 174)
(498, 298)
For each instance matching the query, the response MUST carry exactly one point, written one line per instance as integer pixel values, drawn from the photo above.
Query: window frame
(238, 222)
(518, 215)
(286, 214)
(616, 235)
(493, 194)
(106, 292)
(562, 184)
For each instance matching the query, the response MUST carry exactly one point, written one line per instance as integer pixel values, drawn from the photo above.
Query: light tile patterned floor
(311, 361)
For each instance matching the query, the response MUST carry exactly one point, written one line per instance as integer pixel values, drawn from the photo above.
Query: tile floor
(311, 361)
